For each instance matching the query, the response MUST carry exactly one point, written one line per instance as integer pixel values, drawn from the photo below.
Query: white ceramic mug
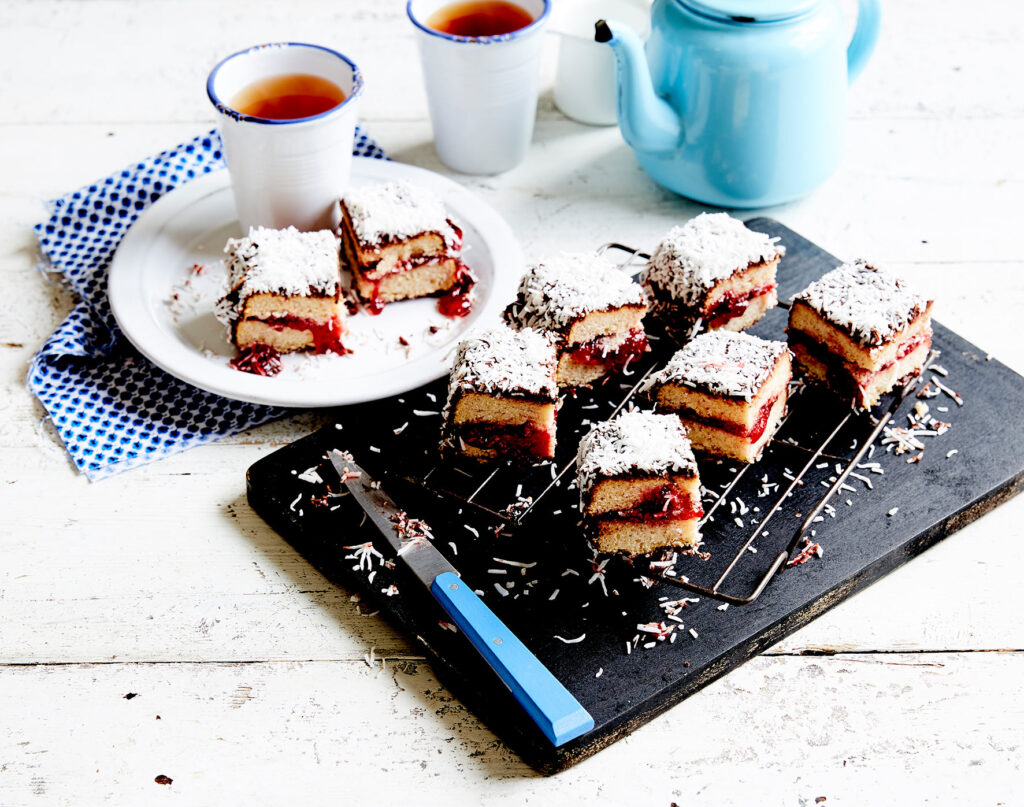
(586, 87)
(482, 91)
(286, 172)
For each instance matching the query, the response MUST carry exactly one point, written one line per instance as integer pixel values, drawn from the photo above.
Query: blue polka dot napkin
(111, 407)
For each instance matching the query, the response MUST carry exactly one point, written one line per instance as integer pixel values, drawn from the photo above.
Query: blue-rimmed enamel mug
(286, 172)
(482, 91)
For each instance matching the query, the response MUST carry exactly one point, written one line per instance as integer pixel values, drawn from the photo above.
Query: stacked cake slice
(502, 397)
(729, 390)
(860, 331)
(593, 308)
(399, 243)
(713, 272)
(284, 291)
(638, 484)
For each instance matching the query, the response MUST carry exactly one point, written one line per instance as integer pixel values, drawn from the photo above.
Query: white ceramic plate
(167, 311)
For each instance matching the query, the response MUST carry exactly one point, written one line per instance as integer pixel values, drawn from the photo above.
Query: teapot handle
(864, 38)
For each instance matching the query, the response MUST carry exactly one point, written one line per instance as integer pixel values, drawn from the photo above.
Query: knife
(551, 706)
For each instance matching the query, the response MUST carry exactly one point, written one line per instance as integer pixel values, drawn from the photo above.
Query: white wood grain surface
(162, 582)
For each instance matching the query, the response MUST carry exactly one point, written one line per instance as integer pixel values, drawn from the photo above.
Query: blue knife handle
(552, 707)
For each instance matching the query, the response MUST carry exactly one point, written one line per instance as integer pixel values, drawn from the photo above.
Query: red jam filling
(842, 375)
(751, 435)
(458, 300)
(404, 265)
(666, 503)
(375, 305)
(455, 302)
(326, 335)
(734, 304)
(913, 344)
(516, 440)
(597, 351)
(259, 360)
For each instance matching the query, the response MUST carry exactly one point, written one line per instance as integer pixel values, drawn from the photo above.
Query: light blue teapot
(739, 103)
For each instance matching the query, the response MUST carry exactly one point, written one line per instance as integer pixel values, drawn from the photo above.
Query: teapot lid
(751, 10)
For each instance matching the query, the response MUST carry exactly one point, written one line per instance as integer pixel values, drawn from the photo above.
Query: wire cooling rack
(819, 432)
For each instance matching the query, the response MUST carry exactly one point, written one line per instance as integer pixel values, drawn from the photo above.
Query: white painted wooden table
(248, 666)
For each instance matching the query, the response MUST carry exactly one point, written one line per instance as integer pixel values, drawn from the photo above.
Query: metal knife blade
(411, 539)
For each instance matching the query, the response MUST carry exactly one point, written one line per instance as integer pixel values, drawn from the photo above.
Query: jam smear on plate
(458, 301)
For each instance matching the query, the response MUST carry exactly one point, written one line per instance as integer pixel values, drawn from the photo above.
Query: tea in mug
(288, 97)
(480, 18)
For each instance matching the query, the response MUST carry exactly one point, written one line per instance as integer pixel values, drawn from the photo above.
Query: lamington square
(730, 391)
(284, 289)
(502, 397)
(399, 243)
(860, 330)
(638, 485)
(594, 309)
(713, 272)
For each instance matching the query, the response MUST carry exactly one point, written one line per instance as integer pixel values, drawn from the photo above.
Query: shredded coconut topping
(285, 262)
(691, 259)
(501, 361)
(870, 304)
(633, 442)
(560, 290)
(722, 363)
(395, 211)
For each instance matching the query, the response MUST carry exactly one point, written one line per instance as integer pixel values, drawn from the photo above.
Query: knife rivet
(454, 586)
(497, 640)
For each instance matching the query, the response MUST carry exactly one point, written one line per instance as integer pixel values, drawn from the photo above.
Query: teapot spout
(647, 121)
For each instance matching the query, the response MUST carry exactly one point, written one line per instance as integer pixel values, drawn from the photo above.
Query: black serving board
(935, 497)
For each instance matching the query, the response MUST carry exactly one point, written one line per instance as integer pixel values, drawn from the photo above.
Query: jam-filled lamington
(860, 330)
(399, 243)
(713, 272)
(502, 397)
(284, 291)
(730, 391)
(638, 485)
(594, 308)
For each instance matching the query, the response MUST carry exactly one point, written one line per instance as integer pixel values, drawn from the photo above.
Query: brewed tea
(479, 18)
(288, 97)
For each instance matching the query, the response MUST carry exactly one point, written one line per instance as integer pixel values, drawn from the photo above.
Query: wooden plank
(945, 71)
(897, 197)
(858, 729)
